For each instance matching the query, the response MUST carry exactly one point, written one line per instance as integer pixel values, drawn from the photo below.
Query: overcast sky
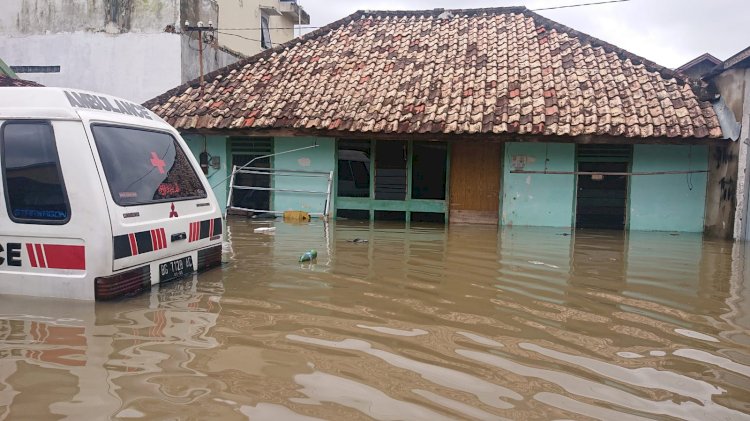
(668, 32)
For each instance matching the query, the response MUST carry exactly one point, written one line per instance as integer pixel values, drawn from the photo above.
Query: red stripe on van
(192, 231)
(154, 243)
(65, 257)
(133, 245)
(163, 236)
(156, 238)
(40, 255)
(211, 229)
(30, 251)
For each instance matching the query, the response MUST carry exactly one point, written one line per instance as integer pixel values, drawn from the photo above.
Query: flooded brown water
(419, 323)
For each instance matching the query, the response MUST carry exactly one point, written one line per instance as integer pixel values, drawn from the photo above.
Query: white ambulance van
(100, 198)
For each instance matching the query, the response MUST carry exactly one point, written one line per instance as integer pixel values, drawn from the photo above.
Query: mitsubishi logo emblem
(173, 212)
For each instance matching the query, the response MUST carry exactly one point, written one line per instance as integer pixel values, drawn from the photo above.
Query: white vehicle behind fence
(100, 197)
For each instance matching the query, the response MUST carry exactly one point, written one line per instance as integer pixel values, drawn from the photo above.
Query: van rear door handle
(179, 236)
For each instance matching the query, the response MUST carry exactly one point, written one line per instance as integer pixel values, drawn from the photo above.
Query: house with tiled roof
(496, 116)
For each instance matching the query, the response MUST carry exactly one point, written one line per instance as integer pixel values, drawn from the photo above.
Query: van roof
(68, 104)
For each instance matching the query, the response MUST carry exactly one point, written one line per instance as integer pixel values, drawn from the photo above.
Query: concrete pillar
(721, 199)
(741, 212)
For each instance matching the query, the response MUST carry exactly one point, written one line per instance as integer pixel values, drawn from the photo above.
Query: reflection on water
(411, 322)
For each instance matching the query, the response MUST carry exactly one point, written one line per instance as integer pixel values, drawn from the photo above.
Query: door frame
(501, 166)
(574, 216)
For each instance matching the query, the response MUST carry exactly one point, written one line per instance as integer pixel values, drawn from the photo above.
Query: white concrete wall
(213, 59)
(31, 17)
(133, 66)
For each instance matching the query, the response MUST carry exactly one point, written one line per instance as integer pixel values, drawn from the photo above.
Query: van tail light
(126, 283)
(209, 257)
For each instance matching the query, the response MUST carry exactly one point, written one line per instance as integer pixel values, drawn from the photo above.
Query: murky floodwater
(423, 323)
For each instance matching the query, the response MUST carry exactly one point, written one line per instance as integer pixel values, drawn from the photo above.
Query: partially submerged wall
(539, 199)
(668, 202)
(322, 158)
(664, 202)
(734, 87)
(721, 192)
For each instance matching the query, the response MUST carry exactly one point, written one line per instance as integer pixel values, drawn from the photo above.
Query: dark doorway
(390, 170)
(251, 199)
(428, 170)
(245, 150)
(601, 201)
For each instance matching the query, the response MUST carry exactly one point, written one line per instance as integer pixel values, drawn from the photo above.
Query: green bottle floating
(308, 256)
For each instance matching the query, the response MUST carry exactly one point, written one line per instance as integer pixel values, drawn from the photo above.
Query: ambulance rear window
(144, 167)
(34, 189)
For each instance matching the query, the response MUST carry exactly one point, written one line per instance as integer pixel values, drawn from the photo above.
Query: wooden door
(475, 182)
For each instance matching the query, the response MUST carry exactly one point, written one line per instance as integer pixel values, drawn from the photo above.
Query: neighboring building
(251, 26)
(730, 79)
(128, 48)
(488, 115)
(699, 66)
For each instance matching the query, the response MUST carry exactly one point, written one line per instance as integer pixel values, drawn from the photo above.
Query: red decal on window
(173, 213)
(65, 257)
(158, 163)
(169, 189)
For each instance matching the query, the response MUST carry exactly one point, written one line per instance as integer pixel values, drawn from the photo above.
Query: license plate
(175, 269)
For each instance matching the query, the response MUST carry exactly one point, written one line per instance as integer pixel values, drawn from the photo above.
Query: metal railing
(273, 172)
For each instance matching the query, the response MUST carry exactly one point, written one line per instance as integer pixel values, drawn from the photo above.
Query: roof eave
(493, 137)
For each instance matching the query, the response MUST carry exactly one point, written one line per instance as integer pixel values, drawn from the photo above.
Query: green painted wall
(322, 158)
(666, 202)
(216, 146)
(539, 199)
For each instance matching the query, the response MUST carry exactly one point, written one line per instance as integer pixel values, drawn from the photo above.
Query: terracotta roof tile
(501, 70)
(6, 81)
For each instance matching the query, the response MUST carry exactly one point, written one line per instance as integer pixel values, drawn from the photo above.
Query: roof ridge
(549, 24)
(705, 56)
(539, 19)
(665, 72)
(439, 11)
